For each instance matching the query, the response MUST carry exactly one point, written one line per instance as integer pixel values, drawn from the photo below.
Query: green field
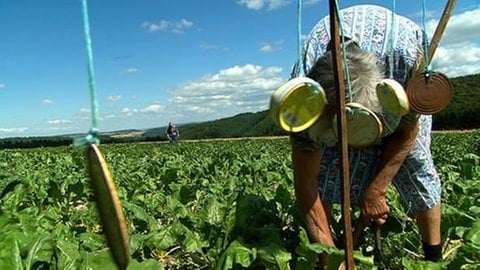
(210, 205)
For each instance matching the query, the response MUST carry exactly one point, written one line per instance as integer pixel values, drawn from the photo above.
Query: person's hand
(374, 206)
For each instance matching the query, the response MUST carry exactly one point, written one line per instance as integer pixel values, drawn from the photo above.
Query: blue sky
(184, 61)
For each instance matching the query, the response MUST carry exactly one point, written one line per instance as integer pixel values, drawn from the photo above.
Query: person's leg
(429, 227)
(419, 185)
(328, 210)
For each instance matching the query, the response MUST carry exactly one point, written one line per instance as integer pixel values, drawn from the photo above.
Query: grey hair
(365, 73)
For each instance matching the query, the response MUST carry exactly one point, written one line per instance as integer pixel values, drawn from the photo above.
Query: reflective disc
(297, 104)
(109, 207)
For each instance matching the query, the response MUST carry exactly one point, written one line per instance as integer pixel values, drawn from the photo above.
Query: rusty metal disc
(109, 207)
(429, 93)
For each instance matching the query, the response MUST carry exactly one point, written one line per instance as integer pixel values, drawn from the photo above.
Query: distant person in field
(402, 157)
(172, 133)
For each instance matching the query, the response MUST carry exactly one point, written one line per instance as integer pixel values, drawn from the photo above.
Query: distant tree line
(53, 141)
(463, 112)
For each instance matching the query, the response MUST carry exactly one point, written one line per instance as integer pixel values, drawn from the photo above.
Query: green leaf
(409, 264)
(91, 242)
(473, 235)
(67, 253)
(236, 253)
(142, 220)
(304, 264)
(191, 242)
(41, 250)
(149, 264)
(315, 247)
(215, 211)
(271, 249)
(101, 260)
(10, 255)
(275, 254)
(162, 240)
(335, 256)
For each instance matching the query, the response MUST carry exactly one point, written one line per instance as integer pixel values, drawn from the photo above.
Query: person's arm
(395, 149)
(306, 166)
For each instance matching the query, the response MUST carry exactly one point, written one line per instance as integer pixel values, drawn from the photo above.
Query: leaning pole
(342, 134)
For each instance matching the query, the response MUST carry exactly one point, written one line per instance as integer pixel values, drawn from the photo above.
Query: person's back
(401, 155)
(172, 133)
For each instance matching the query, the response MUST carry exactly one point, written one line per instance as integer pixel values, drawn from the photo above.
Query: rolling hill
(462, 113)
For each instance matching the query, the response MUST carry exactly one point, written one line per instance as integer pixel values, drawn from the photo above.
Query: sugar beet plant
(211, 205)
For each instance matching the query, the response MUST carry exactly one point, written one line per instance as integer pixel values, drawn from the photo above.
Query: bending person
(401, 155)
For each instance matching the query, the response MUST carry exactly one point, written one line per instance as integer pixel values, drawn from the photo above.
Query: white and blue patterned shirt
(371, 27)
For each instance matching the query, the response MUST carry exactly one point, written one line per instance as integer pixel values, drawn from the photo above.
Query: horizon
(162, 61)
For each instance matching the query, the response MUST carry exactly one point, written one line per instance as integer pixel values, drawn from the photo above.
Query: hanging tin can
(297, 104)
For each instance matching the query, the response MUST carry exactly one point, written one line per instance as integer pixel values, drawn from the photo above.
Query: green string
(425, 38)
(392, 32)
(300, 60)
(301, 71)
(92, 136)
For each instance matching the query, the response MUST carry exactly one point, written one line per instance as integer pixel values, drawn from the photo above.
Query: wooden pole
(442, 24)
(342, 134)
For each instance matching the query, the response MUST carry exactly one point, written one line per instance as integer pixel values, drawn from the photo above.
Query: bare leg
(429, 226)
(328, 211)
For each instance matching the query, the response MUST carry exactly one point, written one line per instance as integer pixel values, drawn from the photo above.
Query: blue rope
(92, 136)
(392, 32)
(301, 71)
(425, 38)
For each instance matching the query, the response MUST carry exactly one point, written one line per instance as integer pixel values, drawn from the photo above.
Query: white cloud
(59, 122)
(47, 101)
(310, 2)
(267, 47)
(458, 53)
(128, 112)
(208, 46)
(131, 70)
(457, 59)
(85, 110)
(169, 26)
(260, 4)
(460, 27)
(429, 14)
(114, 98)
(230, 91)
(184, 23)
(2, 86)
(153, 108)
(13, 130)
(57, 128)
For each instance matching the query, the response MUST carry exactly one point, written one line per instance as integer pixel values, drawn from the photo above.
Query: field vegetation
(212, 205)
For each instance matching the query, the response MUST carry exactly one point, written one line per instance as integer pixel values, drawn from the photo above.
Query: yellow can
(297, 104)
